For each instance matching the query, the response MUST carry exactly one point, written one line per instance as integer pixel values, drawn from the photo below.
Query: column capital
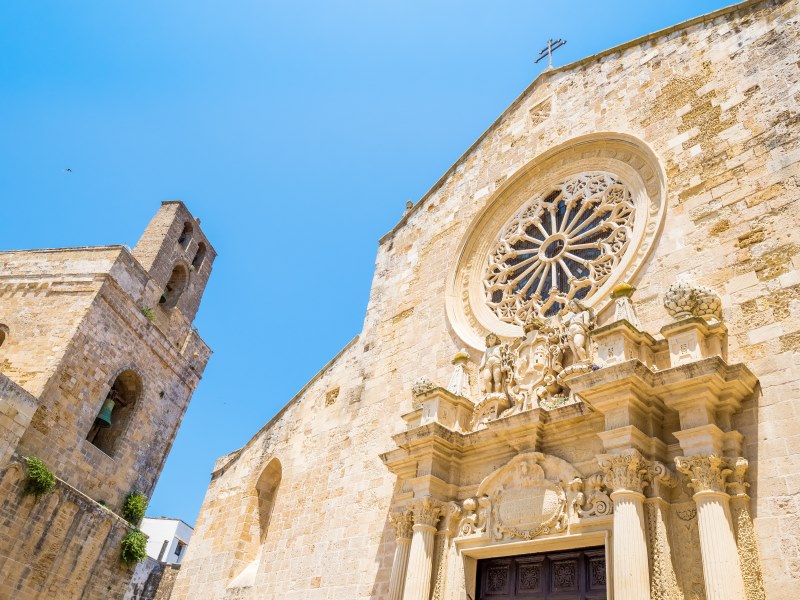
(661, 479)
(427, 510)
(402, 521)
(625, 471)
(737, 486)
(706, 472)
(451, 515)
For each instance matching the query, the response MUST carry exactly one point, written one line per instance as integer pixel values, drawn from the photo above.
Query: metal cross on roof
(552, 45)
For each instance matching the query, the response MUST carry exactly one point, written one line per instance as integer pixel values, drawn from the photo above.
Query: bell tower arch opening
(115, 413)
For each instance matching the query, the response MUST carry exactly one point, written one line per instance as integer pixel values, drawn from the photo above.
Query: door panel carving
(575, 575)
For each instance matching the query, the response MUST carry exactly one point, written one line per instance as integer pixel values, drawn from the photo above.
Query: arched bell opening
(186, 235)
(176, 285)
(115, 413)
(199, 257)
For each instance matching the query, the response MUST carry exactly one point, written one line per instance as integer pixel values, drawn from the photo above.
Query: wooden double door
(572, 575)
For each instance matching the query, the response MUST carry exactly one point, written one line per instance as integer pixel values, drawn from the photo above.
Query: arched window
(3, 333)
(175, 287)
(199, 256)
(186, 235)
(260, 504)
(115, 413)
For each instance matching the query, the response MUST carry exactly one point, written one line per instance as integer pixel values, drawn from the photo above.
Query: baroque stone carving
(598, 503)
(459, 382)
(660, 480)
(623, 305)
(523, 499)
(532, 371)
(626, 471)
(664, 584)
(421, 386)
(561, 245)
(426, 511)
(403, 522)
(683, 300)
(476, 513)
(705, 472)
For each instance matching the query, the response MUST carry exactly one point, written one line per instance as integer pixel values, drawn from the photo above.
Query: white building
(168, 538)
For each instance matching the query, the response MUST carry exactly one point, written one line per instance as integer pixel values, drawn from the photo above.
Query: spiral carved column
(403, 522)
(721, 569)
(624, 474)
(426, 513)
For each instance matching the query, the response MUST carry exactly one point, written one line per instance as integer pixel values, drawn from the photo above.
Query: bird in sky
(67, 170)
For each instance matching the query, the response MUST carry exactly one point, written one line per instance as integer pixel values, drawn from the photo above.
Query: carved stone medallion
(526, 498)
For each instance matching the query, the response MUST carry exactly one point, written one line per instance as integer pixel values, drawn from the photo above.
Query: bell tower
(178, 257)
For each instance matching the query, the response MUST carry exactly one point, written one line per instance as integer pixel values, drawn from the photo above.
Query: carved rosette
(706, 473)
(624, 472)
(427, 511)
(402, 521)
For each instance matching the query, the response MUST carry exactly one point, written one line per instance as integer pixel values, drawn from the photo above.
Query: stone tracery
(559, 247)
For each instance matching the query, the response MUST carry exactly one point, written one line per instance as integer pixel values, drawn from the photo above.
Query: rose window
(559, 246)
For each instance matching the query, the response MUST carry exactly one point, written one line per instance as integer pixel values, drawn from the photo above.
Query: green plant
(40, 480)
(148, 312)
(134, 507)
(133, 547)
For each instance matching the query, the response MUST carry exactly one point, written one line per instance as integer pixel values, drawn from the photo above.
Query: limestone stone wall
(716, 100)
(64, 545)
(76, 319)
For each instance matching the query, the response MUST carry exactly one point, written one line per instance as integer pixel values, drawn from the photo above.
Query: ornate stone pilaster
(625, 475)
(403, 523)
(663, 580)
(721, 570)
(746, 541)
(448, 530)
(427, 512)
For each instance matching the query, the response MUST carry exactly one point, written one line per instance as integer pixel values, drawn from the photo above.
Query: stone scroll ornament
(560, 246)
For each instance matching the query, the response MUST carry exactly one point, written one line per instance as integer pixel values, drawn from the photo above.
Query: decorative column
(403, 522)
(420, 563)
(624, 474)
(707, 474)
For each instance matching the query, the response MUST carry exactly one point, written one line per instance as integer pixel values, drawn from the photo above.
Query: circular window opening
(560, 246)
(175, 287)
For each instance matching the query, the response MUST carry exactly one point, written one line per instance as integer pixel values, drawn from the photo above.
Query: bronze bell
(104, 418)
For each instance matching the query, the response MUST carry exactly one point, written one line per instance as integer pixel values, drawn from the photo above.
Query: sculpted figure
(577, 321)
(491, 367)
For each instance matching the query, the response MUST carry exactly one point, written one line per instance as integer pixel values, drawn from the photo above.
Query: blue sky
(295, 130)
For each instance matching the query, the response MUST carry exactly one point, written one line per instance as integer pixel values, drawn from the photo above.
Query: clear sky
(295, 130)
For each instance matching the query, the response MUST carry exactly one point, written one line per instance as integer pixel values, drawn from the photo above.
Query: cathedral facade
(578, 372)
